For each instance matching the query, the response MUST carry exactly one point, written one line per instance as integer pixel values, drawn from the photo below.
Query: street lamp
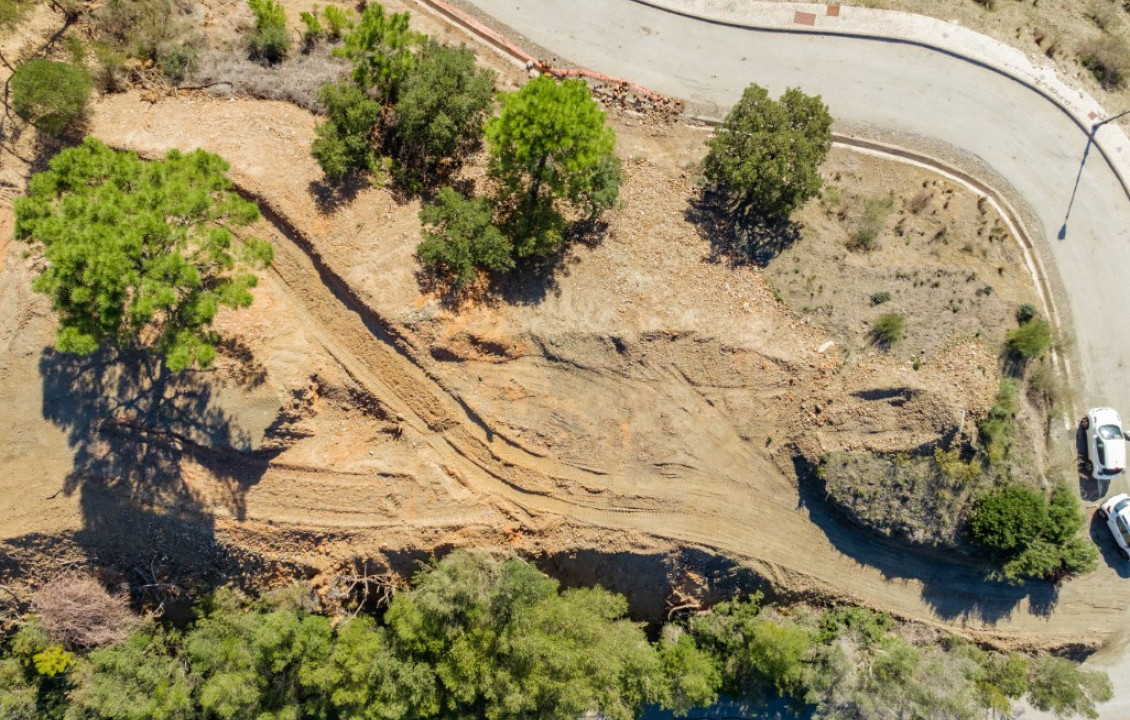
(1087, 151)
(1100, 123)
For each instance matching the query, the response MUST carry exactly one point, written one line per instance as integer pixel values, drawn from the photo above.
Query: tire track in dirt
(736, 503)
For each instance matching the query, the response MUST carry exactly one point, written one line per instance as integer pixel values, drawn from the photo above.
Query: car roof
(1106, 416)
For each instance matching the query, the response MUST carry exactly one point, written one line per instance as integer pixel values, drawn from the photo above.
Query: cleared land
(625, 417)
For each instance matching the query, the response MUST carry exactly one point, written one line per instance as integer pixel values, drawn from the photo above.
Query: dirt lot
(634, 415)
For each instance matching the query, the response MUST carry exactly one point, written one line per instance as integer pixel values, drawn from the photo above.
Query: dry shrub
(294, 80)
(1108, 59)
(77, 611)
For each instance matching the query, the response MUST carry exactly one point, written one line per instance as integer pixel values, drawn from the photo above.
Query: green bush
(767, 153)
(1031, 537)
(344, 143)
(50, 95)
(998, 429)
(1026, 313)
(459, 238)
(439, 117)
(880, 297)
(312, 30)
(270, 39)
(1009, 519)
(888, 329)
(382, 49)
(179, 63)
(1030, 340)
(338, 22)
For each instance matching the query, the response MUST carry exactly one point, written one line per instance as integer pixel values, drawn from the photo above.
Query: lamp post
(1087, 151)
(1100, 123)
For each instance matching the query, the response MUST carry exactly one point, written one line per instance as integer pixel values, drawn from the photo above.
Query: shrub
(870, 225)
(1026, 313)
(880, 297)
(459, 237)
(1062, 687)
(179, 62)
(1030, 340)
(1108, 59)
(50, 95)
(998, 428)
(381, 48)
(766, 154)
(338, 21)
(109, 68)
(145, 29)
(888, 329)
(297, 79)
(76, 611)
(1009, 519)
(344, 143)
(443, 104)
(312, 27)
(270, 39)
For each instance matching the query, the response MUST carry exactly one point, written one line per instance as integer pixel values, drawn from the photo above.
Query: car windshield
(1120, 522)
(1122, 505)
(1110, 432)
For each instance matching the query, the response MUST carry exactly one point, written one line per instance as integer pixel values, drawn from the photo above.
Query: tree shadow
(954, 586)
(737, 239)
(330, 196)
(134, 427)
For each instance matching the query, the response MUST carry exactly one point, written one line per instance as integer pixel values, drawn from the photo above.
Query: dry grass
(295, 80)
(78, 612)
(1108, 59)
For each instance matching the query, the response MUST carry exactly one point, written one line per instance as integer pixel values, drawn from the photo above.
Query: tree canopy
(381, 46)
(551, 151)
(50, 95)
(140, 254)
(490, 636)
(439, 117)
(767, 153)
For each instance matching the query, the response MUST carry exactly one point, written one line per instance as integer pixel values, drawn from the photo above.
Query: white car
(1116, 512)
(1106, 448)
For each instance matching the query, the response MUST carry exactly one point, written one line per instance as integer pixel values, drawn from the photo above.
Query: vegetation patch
(50, 95)
(922, 499)
(488, 636)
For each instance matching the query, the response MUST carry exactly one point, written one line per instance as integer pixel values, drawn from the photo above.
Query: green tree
(366, 679)
(550, 146)
(381, 48)
(140, 255)
(504, 644)
(440, 114)
(766, 155)
(344, 142)
(50, 95)
(269, 40)
(1009, 519)
(459, 237)
(252, 661)
(1066, 689)
(693, 677)
(141, 679)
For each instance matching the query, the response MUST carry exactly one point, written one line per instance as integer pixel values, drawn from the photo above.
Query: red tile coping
(803, 18)
(833, 11)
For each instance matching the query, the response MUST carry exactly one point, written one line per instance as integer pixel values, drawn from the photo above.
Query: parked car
(1116, 512)
(1106, 446)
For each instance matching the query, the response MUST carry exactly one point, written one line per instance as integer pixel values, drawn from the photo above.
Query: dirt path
(715, 492)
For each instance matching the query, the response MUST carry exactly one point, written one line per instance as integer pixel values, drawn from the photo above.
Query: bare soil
(640, 414)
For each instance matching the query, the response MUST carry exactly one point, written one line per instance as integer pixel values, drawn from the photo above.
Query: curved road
(948, 103)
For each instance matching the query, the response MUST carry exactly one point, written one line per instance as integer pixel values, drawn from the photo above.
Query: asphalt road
(1033, 145)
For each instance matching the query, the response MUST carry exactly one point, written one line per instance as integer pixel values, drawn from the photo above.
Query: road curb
(1123, 174)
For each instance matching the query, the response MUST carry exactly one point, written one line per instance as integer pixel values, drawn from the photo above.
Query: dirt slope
(644, 399)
